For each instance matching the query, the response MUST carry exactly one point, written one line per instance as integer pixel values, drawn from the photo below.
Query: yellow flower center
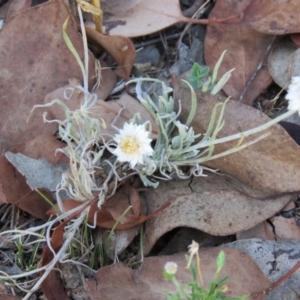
(129, 145)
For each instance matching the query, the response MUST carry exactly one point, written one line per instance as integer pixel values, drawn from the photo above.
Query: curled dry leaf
(265, 165)
(148, 282)
(282, 63)
(245, 50)
(36, 63)
(216, 204)
(120, 48)
(273, 17)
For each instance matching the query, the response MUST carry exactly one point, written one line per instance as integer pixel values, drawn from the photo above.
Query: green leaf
(221, 82)
(216, 68)
(205, 71)
(220, 261)
(71, 47)
(196, 70)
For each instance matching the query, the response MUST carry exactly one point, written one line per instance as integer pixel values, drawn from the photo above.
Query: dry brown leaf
(106, 111)
(286, 229)
(282, 229)
(34, 64)
(126, 196)
(133, 18)
(43, 146)
(17, 6)
(52, 286)
(21, 195)
(138, 18)
(262, 230)
(266, 165)
(131, 107)
(147, 282)
(120, 48)
(15, 190)
(245, 50)
(9, 297)
(273, 17)
(116, 241)
(216, 204)
(111, 211)
(108, 80)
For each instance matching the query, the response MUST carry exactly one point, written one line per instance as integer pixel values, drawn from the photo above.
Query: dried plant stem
(97, 19)
(199, 268)
(200, 11)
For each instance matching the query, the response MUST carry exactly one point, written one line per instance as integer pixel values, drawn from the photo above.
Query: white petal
(293, 94)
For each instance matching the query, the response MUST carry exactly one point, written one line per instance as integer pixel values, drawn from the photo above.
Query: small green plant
(199, 79)
(197, 76)
(196, 290)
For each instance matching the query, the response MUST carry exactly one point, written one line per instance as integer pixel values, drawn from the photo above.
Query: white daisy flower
(293, 94)
(133, 144)
(171, 267)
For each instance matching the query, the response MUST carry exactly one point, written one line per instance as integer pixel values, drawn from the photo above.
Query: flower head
(133, 144)
(193, 250)
(171, 268)
(293, 94)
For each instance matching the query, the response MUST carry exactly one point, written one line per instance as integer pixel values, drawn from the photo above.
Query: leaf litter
(241, 206)
(121, 18)
(244, 52)
(273, 17)
(42, 65)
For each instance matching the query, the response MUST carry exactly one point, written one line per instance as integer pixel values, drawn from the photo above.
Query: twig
(156, 40)
(200, 11)
(258, 68)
